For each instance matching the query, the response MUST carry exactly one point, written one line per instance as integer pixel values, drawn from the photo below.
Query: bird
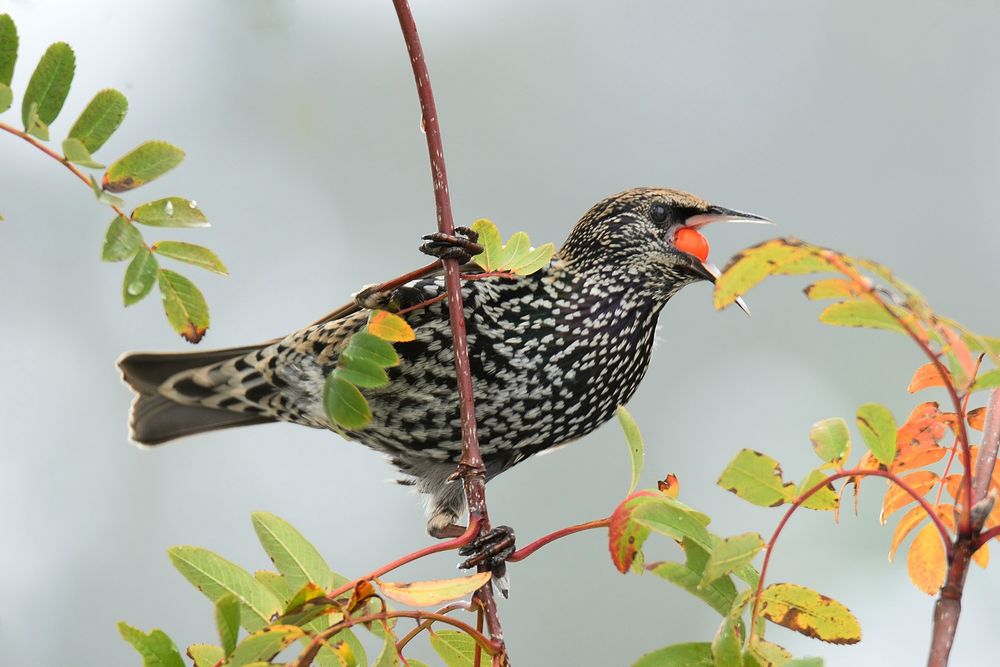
(553, 354)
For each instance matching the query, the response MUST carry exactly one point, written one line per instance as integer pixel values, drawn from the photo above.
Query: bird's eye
(658, 212)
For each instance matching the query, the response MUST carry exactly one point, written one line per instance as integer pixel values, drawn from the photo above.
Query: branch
(524, 552)
(471, 467)
(988, 450)
(892, 477)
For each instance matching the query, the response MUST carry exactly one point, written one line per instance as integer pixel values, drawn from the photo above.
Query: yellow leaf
(489, 239)
(926, 561)
(982, 556)
(428, 593)
(910, 520)
(896, 498)
(810, 613)
(391, 327)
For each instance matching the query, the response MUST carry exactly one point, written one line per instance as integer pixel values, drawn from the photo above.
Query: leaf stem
(524, 552)
(471, 468)
(857, 472)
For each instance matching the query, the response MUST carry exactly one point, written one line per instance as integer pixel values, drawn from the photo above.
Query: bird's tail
(155, 418)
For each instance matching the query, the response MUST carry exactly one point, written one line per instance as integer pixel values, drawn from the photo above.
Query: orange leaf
(976, 418)
(428, 593)
(362, 592)
(924, 426)
(926, 560)
(896, 498)
(912, 458)
(953, 483)
(910, 520)
(927, 376)
(391, 327)
(982, 556)
(670, 486)
(867, 462)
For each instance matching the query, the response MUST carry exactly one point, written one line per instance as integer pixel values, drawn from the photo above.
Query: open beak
(702, 267)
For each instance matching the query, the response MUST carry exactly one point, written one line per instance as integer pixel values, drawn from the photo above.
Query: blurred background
(868, 127)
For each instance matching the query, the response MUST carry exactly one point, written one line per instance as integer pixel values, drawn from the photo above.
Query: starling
(553, 354)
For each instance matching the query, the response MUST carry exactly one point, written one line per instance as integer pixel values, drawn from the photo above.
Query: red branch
(524, 552)
(892, 477)
(471, 467)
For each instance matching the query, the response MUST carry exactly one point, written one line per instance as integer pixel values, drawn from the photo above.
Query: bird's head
(647, 239)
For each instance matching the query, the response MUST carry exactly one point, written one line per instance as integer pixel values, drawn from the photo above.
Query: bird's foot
(492, 549)
(394, 300)
(461, 246)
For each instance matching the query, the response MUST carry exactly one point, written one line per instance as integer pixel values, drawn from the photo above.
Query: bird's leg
(491, 549)
(452, 246)
(394, 301)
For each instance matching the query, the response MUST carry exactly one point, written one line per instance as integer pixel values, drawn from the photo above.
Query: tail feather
(155, 418)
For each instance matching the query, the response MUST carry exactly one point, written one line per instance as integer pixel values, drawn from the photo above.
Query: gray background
(869, 127)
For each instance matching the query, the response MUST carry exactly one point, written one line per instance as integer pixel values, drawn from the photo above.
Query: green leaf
(860, 314)
(753, 265)
(389, 656)
(824, 499)
(143, 164)
(455, 648)
(756, 478)
(6, 97)
(533, 260)
(987, 380)
(695, 654)
(294, 556)
(205, 655)
(830, 288)
(805, 611)
(170, 212)
(191, 253)
(636, 448)
(121, 241)
(344, 404)
(264, 644)
(184, 306)
(489, 239)
(768, 653)
(718, 594)
(516, 247)
(730, 554)
(369, 347)
(35, 126)
(49, 84)
(8, 48)
(727, 646)
(878, 428)
(215, 576)
(140, 276)
(156, 648)
(831, 440)
(227, 621)
(100, 119)
(804, 662)
(275, 583)
(76, 152)
(362, 373)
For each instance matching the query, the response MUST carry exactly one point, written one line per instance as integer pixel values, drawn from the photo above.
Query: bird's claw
(461, 246)
(491, 549)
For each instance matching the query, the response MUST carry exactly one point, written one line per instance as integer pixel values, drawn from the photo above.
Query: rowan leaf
(6, 97)
(757, 478)
(74, 151)
(227, 621)
(156, 648)
(141, 165)
(35, 126)
(298, 561)
(719, 593)
(911, 458)
(8, 48)
(170, 212)
(766, 654)
(913, 518)
(191, 253)
(344, 403)
(636, 449)
(646, 511)
(669, 486)
(878, 428)
(694, 654)
(429, 593)
(807, 612)
(102, 196)
(926, 376)
(866, 314)
(751, 266)
(391, 327)
(517, 246)
(455, 648)
(264, 644)
(205, 655)
(140, 276)
(824, 499)
(730, 554)
(896, 498)
(830, 288)
(99, 119)
(49, 85)
(389, 656)
(367, 346)
(727, 644)
(976, 418)
(987, 380)
(831, 440)
(926, 561)
(121, 241)
(362, 373)
(215, 576)
(489, 239)
(184, 305)
(532, 260)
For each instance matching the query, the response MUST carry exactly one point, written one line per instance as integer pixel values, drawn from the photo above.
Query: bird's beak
(704, 268)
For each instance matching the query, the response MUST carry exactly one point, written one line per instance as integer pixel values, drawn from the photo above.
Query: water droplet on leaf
(169, 208)
(134, 288)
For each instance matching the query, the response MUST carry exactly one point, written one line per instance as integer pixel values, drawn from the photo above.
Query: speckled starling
(553, 354)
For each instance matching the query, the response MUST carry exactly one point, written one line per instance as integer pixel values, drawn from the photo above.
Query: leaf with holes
(429, 593)
(156, 648)
(141, 165)
(831, 441)
(878, 428)
(49, 85)
(140, 276)
(170, 212)
(636, 449)
(184, 306)
(99, 119)
(810, 613)
(191, 253)
(757, 478)
(344, 403)
(121, 241)
(391, 327)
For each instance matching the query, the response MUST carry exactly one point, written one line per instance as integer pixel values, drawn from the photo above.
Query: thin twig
(423, 625)
(524, 552)
(471, 467)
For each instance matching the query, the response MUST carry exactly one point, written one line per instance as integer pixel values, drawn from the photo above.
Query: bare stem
(524, 552)
(471, 468)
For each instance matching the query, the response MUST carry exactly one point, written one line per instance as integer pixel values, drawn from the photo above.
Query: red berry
(691, 242)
